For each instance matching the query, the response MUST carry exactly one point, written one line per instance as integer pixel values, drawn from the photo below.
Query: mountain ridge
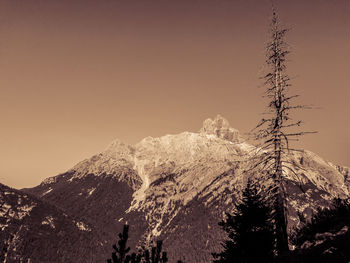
(177, 186)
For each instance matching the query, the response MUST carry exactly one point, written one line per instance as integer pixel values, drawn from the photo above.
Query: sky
(75, 75)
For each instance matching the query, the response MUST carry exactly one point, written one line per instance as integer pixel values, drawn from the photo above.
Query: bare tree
(275, 131)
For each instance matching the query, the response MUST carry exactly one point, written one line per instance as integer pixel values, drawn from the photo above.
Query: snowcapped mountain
(178, 187)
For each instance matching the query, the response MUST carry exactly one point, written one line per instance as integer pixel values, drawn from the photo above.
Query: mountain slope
(35, 231)
(177, 187)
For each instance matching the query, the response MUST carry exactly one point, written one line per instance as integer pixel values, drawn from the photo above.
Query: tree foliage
(326, 237)
(250, 230)
(156, 255)
(120, 253)
(121, 250)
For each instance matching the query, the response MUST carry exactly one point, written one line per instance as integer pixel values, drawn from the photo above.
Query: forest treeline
(251, 236)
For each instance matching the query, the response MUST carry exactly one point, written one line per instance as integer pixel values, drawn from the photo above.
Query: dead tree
(275, 131)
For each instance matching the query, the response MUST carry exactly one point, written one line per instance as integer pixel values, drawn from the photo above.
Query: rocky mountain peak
(179, 183)
(221, 128)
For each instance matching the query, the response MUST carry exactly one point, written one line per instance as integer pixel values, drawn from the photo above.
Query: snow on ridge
(118, 152)
(49, 180)
(46, 192)
(214, 144)
(91, 190)
(82, 226)
(246, 147)
(140, 194)
(18, 213)
(145, 155)
(182, 150)
(48, 220)
(24, 210)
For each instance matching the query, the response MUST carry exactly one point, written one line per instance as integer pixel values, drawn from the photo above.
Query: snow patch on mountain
(14, 206)
(91, 190)
(49, 180)
(46, 192)
(140, 195)
(48, 220)
(323, 174)
(82, 226)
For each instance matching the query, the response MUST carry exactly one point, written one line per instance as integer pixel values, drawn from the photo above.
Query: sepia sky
(74, 75)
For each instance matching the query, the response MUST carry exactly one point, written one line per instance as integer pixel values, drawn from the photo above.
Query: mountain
(35, 231)
(178, 187)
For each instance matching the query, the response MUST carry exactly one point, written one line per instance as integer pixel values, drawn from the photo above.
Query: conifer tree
(120, 254)
(275, 132)
(156, 256)
(3, 251)
(325, 220)
(120, 251)
(250, 230)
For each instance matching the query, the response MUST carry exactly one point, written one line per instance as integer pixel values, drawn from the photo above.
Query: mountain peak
(161, 185)
(221, 128)
(119, 148)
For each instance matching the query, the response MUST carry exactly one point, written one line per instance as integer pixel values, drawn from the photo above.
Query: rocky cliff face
(177, 188)
(221, 129)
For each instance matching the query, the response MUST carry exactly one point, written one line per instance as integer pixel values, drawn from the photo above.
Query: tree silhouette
(276, 131)
(3, 251)
(250, 230)
(156, 256)
(326, 237)
(120, 253)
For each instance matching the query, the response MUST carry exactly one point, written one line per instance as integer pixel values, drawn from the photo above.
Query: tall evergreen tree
(250, 230)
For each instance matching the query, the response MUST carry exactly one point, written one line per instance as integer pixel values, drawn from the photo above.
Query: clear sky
(74, 75)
